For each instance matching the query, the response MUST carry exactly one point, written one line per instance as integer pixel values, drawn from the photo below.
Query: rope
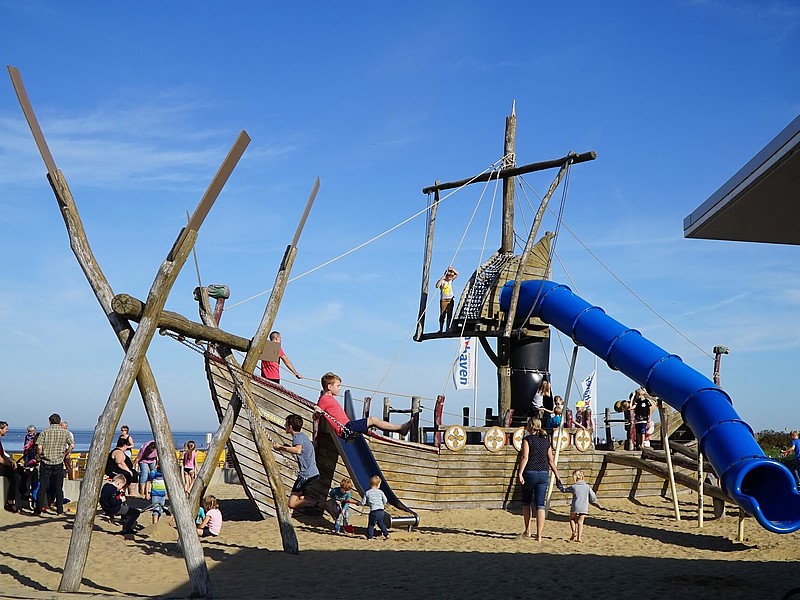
(358, 247)
(622, 283)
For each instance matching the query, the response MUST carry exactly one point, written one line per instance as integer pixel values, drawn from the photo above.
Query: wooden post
(387, 409)
(740, 529)
(241, 380)
(504, 344)
(437, 420)
(433, 210)
(275, 297)
(609, 437)
(101, 441)
(416, 408)
(551, 481)
(662, 415)
(700, 495)
(365, 408)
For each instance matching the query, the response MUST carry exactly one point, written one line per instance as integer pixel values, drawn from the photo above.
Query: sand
(632, 549)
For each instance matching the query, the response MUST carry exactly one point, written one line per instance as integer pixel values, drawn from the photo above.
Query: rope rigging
(644, 303)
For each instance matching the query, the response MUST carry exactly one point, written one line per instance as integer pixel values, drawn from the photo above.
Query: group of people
(338, 500)
(142, 476)
(536, 462)
(637, 411)
(37, 480)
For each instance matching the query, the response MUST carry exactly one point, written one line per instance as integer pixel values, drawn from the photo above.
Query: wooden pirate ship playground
(508, 300)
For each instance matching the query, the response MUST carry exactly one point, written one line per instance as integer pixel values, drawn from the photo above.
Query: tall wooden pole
(662, 415)
(507, 247)
(79, 542)
(433, 210)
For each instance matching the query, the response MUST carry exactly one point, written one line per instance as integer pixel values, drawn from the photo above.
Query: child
(377, 501)
(582, 495)
(553, 420)
(113, 502)
(308, 472)
(338, 419)
(340, 498)
(446, 300)
(29, 446)
(542, 399)
(642, 407)
(156, 491)
(188, 458)
(211, 525)
(794, 446)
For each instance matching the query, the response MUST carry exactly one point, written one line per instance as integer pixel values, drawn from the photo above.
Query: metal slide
(761, 486)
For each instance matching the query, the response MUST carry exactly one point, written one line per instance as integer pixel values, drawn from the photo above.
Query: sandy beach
(632, 549)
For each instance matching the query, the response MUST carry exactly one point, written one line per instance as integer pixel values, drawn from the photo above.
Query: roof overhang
(761, 203)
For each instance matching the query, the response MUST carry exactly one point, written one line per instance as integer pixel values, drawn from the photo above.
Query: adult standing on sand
(535, 460)
(53, 443)
(8, 468)
(124, 434)
(270, 370)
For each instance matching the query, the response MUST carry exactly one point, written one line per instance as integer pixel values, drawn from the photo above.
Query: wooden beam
(658, 470)
(505, 173)
(33, 122)
(107, 424)
(133, 309)
(212, 192)
(241, 380)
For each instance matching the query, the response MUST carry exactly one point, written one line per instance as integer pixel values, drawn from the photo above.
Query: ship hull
(423, 476)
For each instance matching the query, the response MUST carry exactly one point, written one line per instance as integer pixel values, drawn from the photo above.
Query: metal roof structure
(761, 202)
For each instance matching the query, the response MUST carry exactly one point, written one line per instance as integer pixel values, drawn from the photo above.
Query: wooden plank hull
(423, 477)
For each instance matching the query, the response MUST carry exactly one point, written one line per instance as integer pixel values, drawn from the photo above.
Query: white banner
(589, 395)
(464, 369)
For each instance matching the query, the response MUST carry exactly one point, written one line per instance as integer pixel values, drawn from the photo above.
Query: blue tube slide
(761, 486)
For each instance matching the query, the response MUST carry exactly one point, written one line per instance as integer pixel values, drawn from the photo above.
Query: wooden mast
(507, 247)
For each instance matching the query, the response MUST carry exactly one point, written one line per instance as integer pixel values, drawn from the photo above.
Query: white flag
(589, 395)
(464, 369)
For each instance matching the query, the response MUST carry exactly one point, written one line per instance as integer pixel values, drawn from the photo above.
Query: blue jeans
(376, 518)
(144, 471)
(535, 487)
(158, 503)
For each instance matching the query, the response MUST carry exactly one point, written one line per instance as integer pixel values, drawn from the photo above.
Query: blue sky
(140, 104)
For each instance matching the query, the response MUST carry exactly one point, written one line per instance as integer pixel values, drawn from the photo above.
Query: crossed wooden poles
(135, 368)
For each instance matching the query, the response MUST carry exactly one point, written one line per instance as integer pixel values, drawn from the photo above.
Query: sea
(15, 438)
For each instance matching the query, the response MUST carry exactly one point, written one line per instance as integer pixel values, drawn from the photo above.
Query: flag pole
(475, 387)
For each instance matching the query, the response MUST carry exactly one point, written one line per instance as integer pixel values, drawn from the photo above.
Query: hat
(579, 404)
(618, 405)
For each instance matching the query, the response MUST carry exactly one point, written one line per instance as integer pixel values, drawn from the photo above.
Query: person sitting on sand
(338, 505)
(211, 525)
(119, 463)
(308, 472)
(582, 495)
(329, 407)
(113, 502)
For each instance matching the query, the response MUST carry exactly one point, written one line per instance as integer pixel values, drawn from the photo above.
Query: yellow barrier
(78, 460)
